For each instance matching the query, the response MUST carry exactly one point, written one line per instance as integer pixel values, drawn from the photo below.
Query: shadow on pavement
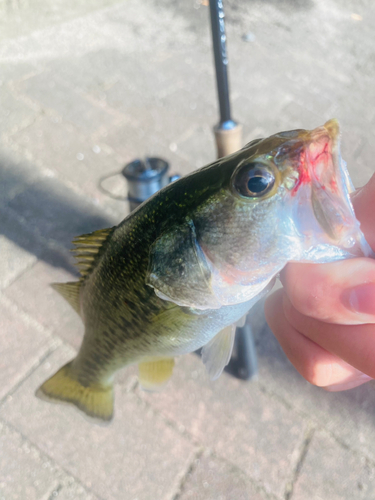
(41, 215)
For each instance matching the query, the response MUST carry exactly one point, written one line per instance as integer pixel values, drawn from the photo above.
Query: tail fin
(95, 400)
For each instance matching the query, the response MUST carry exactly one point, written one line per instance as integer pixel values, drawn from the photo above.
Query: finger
(339, 292)
(364, 207)
(353, 344)
(315, 364)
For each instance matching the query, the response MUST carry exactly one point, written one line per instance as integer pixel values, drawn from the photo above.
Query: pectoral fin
(216, 354)
(155, 373)
(241, 322)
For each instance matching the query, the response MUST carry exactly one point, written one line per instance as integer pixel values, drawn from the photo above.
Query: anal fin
(155, 373)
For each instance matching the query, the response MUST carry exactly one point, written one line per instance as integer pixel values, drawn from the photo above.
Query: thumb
(364, 206)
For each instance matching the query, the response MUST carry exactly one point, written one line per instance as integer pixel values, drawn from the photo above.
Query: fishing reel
(144, 177)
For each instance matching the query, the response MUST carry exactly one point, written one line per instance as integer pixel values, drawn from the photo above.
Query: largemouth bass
(183, 268)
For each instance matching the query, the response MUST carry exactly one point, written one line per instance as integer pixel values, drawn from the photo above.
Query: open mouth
(323, 157)
(330, 186)
(328, 193)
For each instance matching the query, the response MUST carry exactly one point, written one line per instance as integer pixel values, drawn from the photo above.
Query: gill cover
(178, 270)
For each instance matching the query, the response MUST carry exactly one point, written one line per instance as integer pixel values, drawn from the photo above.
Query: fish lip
(328, 179)
(333, 128)
(323, 155)
(317, 157)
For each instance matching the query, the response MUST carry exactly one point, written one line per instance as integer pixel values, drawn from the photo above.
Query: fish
(181, 270)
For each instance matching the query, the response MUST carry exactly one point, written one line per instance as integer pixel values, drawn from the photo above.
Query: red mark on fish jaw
(227, 279)
(325, 177)
(333, 185)
(304, 174)
(317, 156)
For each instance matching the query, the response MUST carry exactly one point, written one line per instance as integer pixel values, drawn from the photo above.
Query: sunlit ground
(86, 87)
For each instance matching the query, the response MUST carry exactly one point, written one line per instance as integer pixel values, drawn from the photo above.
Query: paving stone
(155, 120)
(25, 247)
(21, 18)
(197, 108)
(51, 94)
(16, 173)
(215, 479)
(166, 81)
(129, 91)
(306, 63)
(194, 14)
(12, 71)
(236, 420)
(57, 40)
(104, 28)
(67, 148)
(352, 142)
(148, 77)
(296, 116)
(199, 138)
(23, 345)
(162, 125)
(20, 247)
(314, 101)
(32, 293)
(94, 72)
(136, 24)
(364, 168)
(307, 32)
(137, 456)
(15, 114)
(77, 160)
(72, 492)
(130, 144)
(25, 473)
(350, 412)
(14, 260)
(57, 213)
(332, 471)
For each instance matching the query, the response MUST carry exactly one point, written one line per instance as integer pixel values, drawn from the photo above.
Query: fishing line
(106, 191)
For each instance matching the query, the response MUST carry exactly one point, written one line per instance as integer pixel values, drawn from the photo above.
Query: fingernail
(362, 298)
(350, 384)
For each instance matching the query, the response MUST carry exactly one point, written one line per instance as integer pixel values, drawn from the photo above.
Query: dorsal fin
(70, 292)
(87, 248)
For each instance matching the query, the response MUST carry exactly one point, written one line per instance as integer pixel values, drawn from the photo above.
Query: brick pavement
(86, 87)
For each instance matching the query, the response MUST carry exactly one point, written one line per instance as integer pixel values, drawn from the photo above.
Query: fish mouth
(330, 184)
(323, 210)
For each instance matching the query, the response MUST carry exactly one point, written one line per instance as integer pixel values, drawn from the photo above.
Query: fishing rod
(228, 133)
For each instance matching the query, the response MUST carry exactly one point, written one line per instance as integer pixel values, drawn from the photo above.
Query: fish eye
(253, 180)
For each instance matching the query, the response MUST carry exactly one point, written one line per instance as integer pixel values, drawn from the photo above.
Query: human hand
(324, 316)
